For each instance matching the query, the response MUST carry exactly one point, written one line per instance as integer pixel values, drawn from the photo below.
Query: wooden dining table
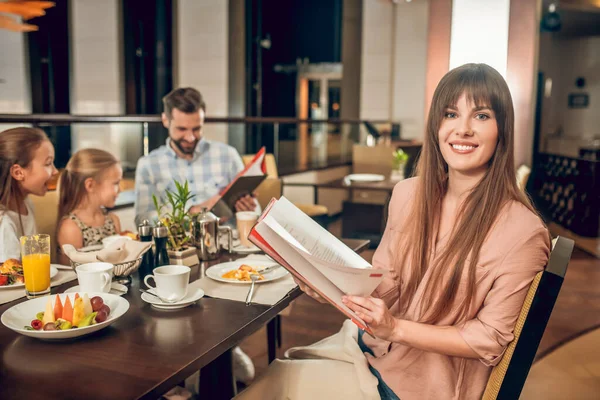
(143, 354)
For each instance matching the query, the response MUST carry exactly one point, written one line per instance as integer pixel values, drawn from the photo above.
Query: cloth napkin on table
(115, 253)
(268, 293)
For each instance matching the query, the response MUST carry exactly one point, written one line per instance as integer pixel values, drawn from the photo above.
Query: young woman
(89, 185)
(26, 167)
(462, 245)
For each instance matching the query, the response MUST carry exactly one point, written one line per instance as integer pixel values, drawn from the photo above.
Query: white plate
(241, 249)
(62, 267)
(53, 272)
(115, 288)
(192, 297)
(216, 271)
(365, 177)
(21, 315)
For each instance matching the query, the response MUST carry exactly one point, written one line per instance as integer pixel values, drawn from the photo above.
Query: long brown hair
(17, 146)
(86, 163)
(483, 86)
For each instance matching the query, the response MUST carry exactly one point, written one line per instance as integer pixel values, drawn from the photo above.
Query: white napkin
(116, 253)
(268, 293)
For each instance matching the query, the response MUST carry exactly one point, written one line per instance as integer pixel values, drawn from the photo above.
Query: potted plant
(400, 160)
(174, 216)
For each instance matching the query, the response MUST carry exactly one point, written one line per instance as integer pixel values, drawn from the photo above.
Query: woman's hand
(310, 292)
(375, 313)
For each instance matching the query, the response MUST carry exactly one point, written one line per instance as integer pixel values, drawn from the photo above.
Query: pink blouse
(517, 247)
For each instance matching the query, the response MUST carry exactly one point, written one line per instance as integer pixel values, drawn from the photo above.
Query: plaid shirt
(212, 167)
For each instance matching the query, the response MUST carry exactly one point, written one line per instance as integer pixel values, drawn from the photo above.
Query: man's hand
(210, 203)
(245, 203)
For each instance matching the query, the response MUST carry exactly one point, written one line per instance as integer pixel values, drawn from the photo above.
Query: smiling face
(185, 130)
(40, 170)
(106, 188)
(468, 136)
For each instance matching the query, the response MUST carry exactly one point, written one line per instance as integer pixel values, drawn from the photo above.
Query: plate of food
(239, 271)
(64, 316)
(11, 274)
(364, 178)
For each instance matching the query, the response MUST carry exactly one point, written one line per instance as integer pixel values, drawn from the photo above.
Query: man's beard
(177, 143)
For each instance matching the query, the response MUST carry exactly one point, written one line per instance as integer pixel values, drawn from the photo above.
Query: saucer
(115, 288)
(189, 299)
(241, 249)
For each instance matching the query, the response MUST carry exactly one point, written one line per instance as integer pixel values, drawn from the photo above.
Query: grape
(101, 316)
(50, 326)
(97, 303)
(106, 309)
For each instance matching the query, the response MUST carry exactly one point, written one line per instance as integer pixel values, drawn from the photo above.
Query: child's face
(107, 188)
(39, 171)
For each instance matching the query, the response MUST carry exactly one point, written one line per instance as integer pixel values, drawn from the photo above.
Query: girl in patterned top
(89, 185)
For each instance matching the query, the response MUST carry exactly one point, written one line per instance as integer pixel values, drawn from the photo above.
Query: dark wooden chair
(508, 377)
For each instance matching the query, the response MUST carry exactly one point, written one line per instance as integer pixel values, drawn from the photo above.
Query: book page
(354, 281)
(317, 241)
(304, 270)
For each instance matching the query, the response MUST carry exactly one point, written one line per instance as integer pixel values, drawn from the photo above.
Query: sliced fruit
(78, 312)
(87, 305)
(58, 308)
(67, 312)
(65, 326)
(48, 313)
(76, 296)
(87, 321)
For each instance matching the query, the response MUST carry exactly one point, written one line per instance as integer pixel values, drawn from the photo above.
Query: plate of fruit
(65, 316)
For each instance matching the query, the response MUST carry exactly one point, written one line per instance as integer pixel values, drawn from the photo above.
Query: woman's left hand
(375, 313)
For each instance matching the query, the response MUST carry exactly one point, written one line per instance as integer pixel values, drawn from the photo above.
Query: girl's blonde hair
(17, 146)
(86, 163)
(484, 86)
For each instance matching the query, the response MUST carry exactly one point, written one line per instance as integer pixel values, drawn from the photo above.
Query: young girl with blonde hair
(462, 245)
(89, 185)
(26, 167)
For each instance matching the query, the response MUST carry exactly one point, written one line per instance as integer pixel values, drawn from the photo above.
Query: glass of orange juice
(35, 256)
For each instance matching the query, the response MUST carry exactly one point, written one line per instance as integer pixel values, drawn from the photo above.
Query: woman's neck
(460, 185)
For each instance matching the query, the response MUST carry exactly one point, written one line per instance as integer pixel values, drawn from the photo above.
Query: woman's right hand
(310, 292)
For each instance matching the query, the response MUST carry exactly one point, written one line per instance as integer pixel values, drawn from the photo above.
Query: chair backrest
(508, 377)
(270, 187)
(372, 159)
(46, 214)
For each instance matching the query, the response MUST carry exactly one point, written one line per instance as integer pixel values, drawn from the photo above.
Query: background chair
(508, 377)
(46, 214)
(269, 189)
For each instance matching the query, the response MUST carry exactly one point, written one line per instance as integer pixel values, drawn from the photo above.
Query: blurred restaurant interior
(331, 89)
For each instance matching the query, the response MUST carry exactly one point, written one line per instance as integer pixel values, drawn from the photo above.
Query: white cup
(245, 221)
(95, 277)
(171, 282)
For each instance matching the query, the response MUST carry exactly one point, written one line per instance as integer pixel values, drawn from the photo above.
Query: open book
(315, 256)
(244, 183)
